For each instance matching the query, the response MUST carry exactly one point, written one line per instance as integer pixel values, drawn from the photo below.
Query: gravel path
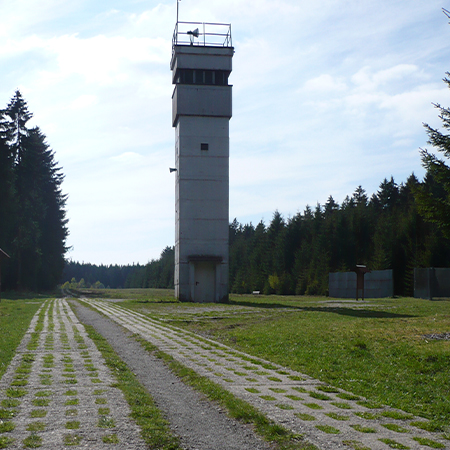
(330, 418)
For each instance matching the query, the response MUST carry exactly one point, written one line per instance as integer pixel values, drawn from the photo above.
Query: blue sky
(327, 95)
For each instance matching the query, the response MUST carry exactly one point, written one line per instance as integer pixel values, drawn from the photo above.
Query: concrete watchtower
(201, 110)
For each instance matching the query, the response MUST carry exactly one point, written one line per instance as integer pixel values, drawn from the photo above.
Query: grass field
(377, 348)
(16, 312)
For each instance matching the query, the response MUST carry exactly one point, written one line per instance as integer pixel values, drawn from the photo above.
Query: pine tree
(7, 203)
(434, 201)
(40, 228)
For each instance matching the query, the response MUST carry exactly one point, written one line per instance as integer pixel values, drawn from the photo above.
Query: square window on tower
(204, 146)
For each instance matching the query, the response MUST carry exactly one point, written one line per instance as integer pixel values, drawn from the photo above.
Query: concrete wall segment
(377, 284)
(193, 189)
(200, 127)
(193, 100)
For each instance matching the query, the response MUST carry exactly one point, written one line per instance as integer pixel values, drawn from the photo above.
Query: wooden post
(2, 255)
(360, 272)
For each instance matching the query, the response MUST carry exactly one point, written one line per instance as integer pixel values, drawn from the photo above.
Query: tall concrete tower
(201, 111)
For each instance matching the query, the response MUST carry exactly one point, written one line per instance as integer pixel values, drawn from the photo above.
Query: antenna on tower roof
(177, 9)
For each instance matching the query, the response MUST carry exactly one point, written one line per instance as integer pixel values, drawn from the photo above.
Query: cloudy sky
(327, 95)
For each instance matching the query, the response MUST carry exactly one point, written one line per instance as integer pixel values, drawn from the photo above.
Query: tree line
(33, 224)
(158, 273)
(295, 255)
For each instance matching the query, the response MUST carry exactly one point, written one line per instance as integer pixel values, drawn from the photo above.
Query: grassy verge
(238, 409)
(155, 429)
(15, 318)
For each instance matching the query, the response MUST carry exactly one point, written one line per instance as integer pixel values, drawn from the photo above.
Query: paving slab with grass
(329, 418)
(57, 392)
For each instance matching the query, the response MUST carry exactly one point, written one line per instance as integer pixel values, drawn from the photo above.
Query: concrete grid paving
(329, 418)
(57, 392)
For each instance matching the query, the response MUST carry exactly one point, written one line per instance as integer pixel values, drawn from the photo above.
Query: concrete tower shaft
(201, 110)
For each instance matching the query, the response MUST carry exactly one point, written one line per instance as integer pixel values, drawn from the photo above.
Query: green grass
(15, 318)
(5, 441)
(110, 439)
(337, 416)
(6, 427)
(38, 413)
(284, 406)
(10, 403)
(72, 425)
(278, 390)
(397, 415)
(307, 417)
(319, 396)
(355, 445)
(394, 444)
(367, 415)
(327, 429)
(428, 426)
(41, 402)
(106, 422)
(36, 426)
(269, 398)
(378, 343)
(43, 394)
(72, 439)
(6, 414)
(252, 390)
(428, 442)
(362, 429)
(395, 427)
(313, 405)
(16, 393)
(32, 441)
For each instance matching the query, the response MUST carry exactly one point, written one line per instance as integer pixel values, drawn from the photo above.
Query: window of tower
(200, 76)
(188, 76)
(209, 76)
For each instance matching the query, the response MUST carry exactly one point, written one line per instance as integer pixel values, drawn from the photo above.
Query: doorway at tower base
(202, 279)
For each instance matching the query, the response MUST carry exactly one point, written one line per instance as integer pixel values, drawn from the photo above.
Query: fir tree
(433, 197)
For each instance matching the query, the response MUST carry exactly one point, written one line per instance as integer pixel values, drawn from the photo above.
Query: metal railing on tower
(202, 34)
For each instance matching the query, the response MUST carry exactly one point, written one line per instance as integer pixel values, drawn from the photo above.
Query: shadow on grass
(22, 295)
(161, 300)
(363, 313)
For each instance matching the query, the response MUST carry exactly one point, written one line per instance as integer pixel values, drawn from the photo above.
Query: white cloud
(84, 101)
(325, 84)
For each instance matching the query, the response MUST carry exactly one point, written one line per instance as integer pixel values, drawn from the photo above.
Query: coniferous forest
(33, 224)
(294, 255)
